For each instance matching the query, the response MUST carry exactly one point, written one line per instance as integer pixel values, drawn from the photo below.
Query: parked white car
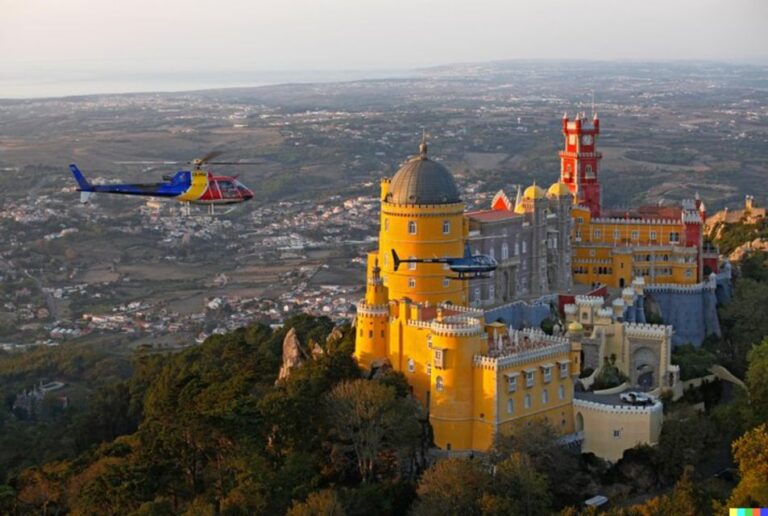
(636, 398)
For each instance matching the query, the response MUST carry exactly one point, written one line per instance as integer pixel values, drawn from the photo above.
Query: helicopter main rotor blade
(232, 163)
(208, 157)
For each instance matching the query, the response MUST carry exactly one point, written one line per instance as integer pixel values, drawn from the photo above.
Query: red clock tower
(579, 161)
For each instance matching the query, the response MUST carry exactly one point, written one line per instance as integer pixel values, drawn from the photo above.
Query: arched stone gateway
(643, 367)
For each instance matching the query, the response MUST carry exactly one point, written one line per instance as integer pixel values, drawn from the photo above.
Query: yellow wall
(609, 251)
(429, 241)
(610, 430)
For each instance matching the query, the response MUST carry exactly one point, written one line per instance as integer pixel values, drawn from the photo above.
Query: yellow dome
(558, 190)
(575, 326)
(520, 209)
(534, 192)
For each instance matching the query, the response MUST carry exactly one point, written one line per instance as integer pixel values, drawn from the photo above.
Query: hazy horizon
(45, 46)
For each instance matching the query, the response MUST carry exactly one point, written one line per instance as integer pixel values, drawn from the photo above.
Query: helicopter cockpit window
(241, 187)
(228, 189)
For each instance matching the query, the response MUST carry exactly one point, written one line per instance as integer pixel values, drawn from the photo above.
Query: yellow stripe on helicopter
(197, 188)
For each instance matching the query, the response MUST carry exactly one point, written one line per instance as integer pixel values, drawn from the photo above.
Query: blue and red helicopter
(194, 186)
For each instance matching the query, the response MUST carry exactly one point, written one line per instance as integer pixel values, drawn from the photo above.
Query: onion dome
(534, 192)
(423, 181)
(575, 326)
(558, 190)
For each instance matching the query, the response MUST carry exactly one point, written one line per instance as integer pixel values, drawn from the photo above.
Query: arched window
(504, 251)
(411, 365)
(544, 397)
(439, 384)
(411, 227)
(527, 402)
(510, 406)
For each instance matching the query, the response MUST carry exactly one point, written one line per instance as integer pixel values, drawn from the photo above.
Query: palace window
(504, 251)
(529, 378)
(616, 234)
(527, 401)
(446, 227)
(589, 174)
(653, 235)
(517, 248)
(476, 294)
(411, 365)
(446, 282)
(411, 227)
(635, 235)
(492, 253)
(579, 220)
(525, 247)
(617, 434)
(547, 374)
(439, 384)
(674, 237)
(429, 369)
(512, 383)
(439, 358)
(561, 392)
(510, 406)
(411, 282)
(598, 234)
(411, 265)
(563, 370)
(544, 397)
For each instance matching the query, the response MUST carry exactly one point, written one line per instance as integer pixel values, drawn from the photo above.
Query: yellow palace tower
(473, 379)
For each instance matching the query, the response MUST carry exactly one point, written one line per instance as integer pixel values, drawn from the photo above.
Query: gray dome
(423, 181)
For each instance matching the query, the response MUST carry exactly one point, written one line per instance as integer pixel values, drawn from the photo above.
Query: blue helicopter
(467, 267)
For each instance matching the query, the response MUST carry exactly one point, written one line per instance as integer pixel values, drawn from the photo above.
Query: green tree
(560, 466)
(319, 503)
(372, 419)
(757, 380)
(517, 489)
(452, 486)
(744, 324)
(751, 453)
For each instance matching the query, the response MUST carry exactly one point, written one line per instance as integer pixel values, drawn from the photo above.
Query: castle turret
(579, 161)
(372, 319)
(422, 216)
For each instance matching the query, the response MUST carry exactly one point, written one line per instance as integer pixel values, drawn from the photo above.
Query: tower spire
(423, 144)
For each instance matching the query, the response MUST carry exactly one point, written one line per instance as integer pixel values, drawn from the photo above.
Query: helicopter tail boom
(82, 182)
(395, 259)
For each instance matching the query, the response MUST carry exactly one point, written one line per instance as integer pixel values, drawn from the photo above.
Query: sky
(107, 38)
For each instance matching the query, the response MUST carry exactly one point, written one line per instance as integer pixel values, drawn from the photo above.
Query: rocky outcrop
(293, 354)
(334, 336)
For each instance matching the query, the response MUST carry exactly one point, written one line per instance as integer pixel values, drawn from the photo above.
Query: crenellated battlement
(631, 222)
(618, 409)
(647, 331)
(590, 300)
(680, 289)
(570, 309)
(366, 310)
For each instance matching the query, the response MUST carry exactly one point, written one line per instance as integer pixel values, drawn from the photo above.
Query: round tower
(452, 387)
(372, 322)
(422, 216)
